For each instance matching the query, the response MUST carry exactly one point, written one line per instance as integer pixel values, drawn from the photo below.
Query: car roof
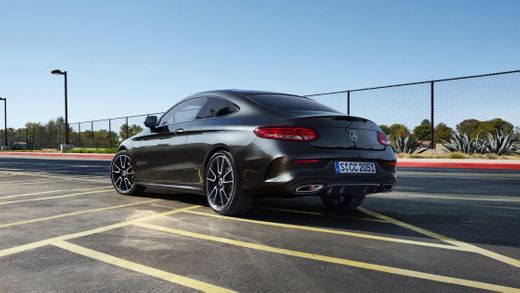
(257, 92)
(245, 93)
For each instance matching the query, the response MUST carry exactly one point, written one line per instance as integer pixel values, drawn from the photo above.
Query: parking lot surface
(63, 228)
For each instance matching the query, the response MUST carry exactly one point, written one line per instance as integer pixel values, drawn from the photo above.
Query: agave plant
(480, 145)
(464, 144)
(502, 143)
(459, 143)
(407, 145)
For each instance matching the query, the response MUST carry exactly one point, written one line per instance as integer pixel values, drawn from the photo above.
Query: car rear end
(325, 153)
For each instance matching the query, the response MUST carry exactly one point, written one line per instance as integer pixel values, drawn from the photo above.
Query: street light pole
(66, 112)
(64, 73)
(5, 120)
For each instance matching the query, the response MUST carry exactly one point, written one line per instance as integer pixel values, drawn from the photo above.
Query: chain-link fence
(428, 110)
(102, 133)
(432, 110)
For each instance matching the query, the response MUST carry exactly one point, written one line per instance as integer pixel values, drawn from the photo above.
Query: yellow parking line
(75, 213)
(465, 246)
(54, 197)
(321, 214)
(6, 175)
(50, 241)
(330, 231)
(46, 192)
(336, 260)
(139, 268)
(27, 182)
(39, 174)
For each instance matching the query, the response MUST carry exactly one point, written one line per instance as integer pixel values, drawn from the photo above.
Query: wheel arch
(212, 151)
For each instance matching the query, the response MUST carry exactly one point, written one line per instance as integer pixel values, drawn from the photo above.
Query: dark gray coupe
(235, 145)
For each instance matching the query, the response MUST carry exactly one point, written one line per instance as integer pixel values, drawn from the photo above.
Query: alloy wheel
(122, 173)
(220, 182)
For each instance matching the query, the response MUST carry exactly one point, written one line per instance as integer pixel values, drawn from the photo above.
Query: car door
(206, 131)
(162, 153)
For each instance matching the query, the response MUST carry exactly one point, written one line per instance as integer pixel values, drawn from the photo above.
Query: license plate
(355, 167)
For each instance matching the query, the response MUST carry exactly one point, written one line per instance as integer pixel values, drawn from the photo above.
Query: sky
(135, 57)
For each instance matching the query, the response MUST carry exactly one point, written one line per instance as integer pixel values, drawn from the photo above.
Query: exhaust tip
(309, 188)
(388, 187)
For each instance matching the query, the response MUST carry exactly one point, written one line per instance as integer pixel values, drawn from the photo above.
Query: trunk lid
(342, 132)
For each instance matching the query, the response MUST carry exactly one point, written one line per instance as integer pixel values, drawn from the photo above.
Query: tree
(385, 129)
(132, 130)
(475, 127)
(442, 132)
(496, 124)
(100, 138)
(400, 130)
(468, 126)
(424, 130)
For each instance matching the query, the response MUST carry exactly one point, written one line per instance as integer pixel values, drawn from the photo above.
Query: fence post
(109, 133)
(79, 134)
(432, 114)
(348, 103)
(127, 132)
(92, 134)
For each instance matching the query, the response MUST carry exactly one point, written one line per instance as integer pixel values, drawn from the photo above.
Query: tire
(343, 202)
(222, 186)
(122, 174)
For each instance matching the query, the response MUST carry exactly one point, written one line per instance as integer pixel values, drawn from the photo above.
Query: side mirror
(151, 122)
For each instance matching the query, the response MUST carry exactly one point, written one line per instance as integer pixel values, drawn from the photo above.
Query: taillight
(381, 137)
(286, 133)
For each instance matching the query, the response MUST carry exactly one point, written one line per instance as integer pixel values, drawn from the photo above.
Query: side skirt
(191, 189)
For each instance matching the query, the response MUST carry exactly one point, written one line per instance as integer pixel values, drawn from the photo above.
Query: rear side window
(288, 102)
(216, 107)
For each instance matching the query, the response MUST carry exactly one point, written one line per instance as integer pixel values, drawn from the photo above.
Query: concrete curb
(459, 164)
(401, 163)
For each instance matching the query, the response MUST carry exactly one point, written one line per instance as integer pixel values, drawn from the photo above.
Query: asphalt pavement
(64, 229)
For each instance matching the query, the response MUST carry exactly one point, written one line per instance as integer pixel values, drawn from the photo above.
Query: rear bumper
(268, 168)
(343, 186)
(327, 187)
(324, 182)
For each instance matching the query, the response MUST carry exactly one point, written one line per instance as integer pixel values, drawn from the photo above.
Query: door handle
(179, 130)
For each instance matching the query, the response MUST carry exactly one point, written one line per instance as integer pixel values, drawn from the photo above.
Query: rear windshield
(287, 102)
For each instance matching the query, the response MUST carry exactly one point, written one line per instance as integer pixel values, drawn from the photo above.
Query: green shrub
(458, 155)
(93, 150)
(491, 156)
